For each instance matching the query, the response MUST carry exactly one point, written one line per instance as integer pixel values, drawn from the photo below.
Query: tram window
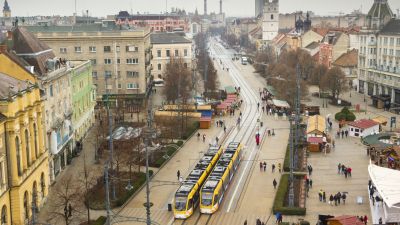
(216, 199)
(196, 197)
(190, 203)
(206, 198)
(180, 203)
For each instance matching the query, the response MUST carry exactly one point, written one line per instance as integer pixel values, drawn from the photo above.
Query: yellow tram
(187, 196)
(213, 190)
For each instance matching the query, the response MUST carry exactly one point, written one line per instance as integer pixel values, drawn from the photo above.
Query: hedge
(286, 162)
(100, 221)
(190, 130)
(136, 185)
(280, 197)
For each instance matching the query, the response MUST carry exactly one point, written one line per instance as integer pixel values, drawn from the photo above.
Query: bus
(187, 197)
(213, 190)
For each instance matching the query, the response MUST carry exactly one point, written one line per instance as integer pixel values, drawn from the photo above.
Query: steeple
(379, 14)
(6, 10)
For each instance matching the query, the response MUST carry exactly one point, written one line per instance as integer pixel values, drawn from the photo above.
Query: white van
(244, 60)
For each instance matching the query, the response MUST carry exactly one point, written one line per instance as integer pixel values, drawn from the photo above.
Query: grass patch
(280, 199)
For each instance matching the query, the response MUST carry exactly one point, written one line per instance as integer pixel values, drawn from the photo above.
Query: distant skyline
(102, 8)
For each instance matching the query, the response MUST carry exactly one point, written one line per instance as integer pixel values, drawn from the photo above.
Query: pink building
(156, 22)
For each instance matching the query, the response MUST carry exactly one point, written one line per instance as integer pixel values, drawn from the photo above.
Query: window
(159, 53)
(107, 74)
(398, 41)
(131, 48)
(118, 61)
(391, 41)
(168, 53)
(94, 74)
(119, 86)
(35, 136)
(93, 61)
(132, 61)
(107, 61)
(176, 53)
(42, 185)
(28, 151)
(185, 52)
(78, 49)
(159, 66)
(185, 65)
(117, 48)
(119, 74)
(26, 207)
(51, 90)
(272, 16)
(92, 48)
(385, 40)
(18, 151)
(63, 50)
(132, 74)
(107, 48)
(132, 86)
(4, 215)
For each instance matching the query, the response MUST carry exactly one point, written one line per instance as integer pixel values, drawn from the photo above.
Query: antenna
(75, 8)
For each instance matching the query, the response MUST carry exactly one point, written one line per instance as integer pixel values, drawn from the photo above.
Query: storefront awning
(387, 183)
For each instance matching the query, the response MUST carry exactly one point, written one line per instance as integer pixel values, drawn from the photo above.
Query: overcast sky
(230, 7)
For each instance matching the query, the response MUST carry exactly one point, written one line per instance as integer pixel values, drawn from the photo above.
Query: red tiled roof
(363, 123)
(347, 220)
(348, 59)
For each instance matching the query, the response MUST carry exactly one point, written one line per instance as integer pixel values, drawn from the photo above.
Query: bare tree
(87, 180)
(66, 201)
(211, 83)
(335, 81)
(177, 81)
(317, 75)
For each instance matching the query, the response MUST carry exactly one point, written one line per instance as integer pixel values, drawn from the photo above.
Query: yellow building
(22, 144)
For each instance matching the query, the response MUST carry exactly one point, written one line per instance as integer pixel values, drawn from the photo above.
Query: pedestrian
(178, 174)
(261, 166)
(338, 133)
(180, 179)
(349, 171)
(258, 222)
(342, 133)
(333, 143)
(224, 128)
(216, 140)
(311, 183)
(380, 220)
(320, 195)
(335, 199)
(274, 183)
(245, 222)
(265, 166)
(204, 138)
(365, 219)
(280, 218)
(258, 106)
(343, 168)
(339, 196)
(339, 167)
(344, 198)
(280, 167)
(324, 196)
(262, 109)
(345, 173)
(331, 200)
(346, 132)
(273, 167)
(198, 136)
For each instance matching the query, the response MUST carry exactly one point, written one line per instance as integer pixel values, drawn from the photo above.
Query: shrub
(345, 114)
(100, 221)
(179, 143)
(280, 198)
(304, 222)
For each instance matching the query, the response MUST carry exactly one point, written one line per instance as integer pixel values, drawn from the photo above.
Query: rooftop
(363, 123)
(312, 45)
(348, 59)
(392, 27)
(168, 38)
(10, 86)
(347, 220)
(106, 26)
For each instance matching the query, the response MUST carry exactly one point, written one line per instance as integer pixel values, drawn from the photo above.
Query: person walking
(273, 167)
(245, 222)
(261, 166)
(331, 200)
(339, 167)
(265, 166)
(339, 196)
(320, 195)
(178, 174)
(216, 140)
(204, 138)
(280, 167)
(310, 183)
(344, 198)
(224, 128)
(335, 199)
(349, 171)
(323, 196)
(342, 133)
(365, 219)
(198, 136)
(274, 183)
(346, 132)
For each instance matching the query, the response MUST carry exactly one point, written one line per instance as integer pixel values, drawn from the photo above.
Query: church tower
(270, 24)
(379, 14)
(6, 10)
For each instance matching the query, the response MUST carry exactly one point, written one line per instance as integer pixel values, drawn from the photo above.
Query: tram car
(213, 190)
(187, 197)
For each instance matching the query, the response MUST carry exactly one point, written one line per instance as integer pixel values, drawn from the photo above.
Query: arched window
(26, 207)
(18, 153)
(28, 154)
(35, 138)
(4, 215)
(42, 185)
(272, 16)
(34, 195)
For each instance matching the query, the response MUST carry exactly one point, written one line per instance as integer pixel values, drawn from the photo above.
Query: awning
(381, 120)
(387, 183)
(315, 140)
(280, 103)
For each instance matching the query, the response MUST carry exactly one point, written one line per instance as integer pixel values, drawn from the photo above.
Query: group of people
(374, 197)
(333, 198)
(263, 167)
(342, 133)
(364, 219)
(343, 170)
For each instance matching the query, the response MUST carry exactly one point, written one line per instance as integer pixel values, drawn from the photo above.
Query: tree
(66, 201)
(335, 82)
(177, 81)
(211, 83)
(317, 75)
(87, 180)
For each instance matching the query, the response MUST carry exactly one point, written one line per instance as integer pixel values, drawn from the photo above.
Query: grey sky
(231, 7)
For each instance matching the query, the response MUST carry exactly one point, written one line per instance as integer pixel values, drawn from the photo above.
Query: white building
(270, 24)
(379, 55)
(363, 128)
(167, 46)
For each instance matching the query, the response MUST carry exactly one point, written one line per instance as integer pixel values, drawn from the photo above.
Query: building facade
(22, 109)
(333, 45)
(120, 56)
(83, 98)
(156, 22)
(270, 24)
(167, 46)
(379, 55)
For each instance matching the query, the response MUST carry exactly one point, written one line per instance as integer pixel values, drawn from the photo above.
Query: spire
(6, 7)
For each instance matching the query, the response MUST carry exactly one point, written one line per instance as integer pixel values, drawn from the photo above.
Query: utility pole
(291, 153)
(297, 116)
(205, 62)
(110, 139)
(108, 222)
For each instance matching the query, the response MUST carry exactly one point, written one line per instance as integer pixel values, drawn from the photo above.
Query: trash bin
(261, 124)
(169, 207)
